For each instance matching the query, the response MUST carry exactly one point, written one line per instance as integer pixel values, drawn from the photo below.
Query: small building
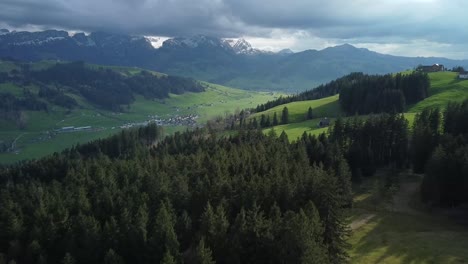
(431, 68)
(324, 122)
(463, 75)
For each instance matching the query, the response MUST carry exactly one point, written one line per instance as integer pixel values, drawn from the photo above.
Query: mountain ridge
(231, 62)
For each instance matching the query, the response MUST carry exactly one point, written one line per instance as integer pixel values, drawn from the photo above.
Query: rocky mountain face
(232, 62)
(98, 47)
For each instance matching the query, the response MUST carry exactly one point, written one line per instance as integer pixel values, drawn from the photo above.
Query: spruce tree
(275, 119)
(203, 253)
(285, 116)
(309, 113)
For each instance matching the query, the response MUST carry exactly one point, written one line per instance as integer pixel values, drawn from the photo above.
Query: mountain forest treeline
(322, 91)
(365, 94)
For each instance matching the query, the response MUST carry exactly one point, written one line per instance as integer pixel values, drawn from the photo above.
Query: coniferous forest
(190, 197)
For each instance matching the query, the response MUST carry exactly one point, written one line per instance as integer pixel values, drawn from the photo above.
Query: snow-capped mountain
(95, 39)
(237, 46)
(198, 41)
(241, 46)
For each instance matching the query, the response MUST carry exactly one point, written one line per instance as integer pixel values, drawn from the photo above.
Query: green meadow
(36, 140)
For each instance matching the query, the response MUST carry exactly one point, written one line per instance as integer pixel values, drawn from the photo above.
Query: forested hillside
(104, 87)
(250, 198)
(364, 94)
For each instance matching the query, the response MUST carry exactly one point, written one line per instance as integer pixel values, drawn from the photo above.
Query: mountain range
(225, 61)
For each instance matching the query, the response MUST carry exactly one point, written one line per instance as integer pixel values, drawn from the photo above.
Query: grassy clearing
(325, 107)
(295, 130)
(393, 236)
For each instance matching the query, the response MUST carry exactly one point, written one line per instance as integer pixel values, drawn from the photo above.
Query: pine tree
(285, 116)
(275, 119)
(163, 237)
(262, 121)
(203, 253)
(309, 113)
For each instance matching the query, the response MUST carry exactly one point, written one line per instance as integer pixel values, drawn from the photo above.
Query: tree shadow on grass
(392, 237)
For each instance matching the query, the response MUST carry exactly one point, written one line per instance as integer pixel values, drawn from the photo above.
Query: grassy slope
(297, 110)
(445, 87)
(35, 142)
(412, 235)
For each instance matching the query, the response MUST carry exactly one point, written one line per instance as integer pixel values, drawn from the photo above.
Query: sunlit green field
(445, 87)
(325, 107)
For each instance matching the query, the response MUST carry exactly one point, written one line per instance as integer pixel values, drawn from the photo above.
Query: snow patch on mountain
(156, 42)
(38, 41)
(242, 46)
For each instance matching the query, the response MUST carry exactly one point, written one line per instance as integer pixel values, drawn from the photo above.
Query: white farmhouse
(463, 75)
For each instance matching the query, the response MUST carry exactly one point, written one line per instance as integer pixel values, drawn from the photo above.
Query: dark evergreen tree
(309, 113)
(285, 116)
(275, 120)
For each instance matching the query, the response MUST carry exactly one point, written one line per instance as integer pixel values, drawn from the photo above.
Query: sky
(398, 27)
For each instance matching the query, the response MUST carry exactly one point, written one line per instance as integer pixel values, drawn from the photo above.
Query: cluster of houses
(438, 68)
(186, 120)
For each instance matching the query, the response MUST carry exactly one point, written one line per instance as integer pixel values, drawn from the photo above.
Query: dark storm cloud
(372, 21)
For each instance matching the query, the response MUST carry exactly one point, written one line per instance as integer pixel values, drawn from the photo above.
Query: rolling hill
(445, 87)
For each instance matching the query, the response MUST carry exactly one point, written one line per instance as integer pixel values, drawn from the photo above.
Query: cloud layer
(436, 24)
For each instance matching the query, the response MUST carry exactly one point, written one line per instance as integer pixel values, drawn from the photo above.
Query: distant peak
(286, 51)
(242, 46)
(345, 46)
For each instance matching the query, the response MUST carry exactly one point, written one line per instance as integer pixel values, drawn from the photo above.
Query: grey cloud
(431, 20)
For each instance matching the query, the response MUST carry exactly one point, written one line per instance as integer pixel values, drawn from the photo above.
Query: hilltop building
(431, 68)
